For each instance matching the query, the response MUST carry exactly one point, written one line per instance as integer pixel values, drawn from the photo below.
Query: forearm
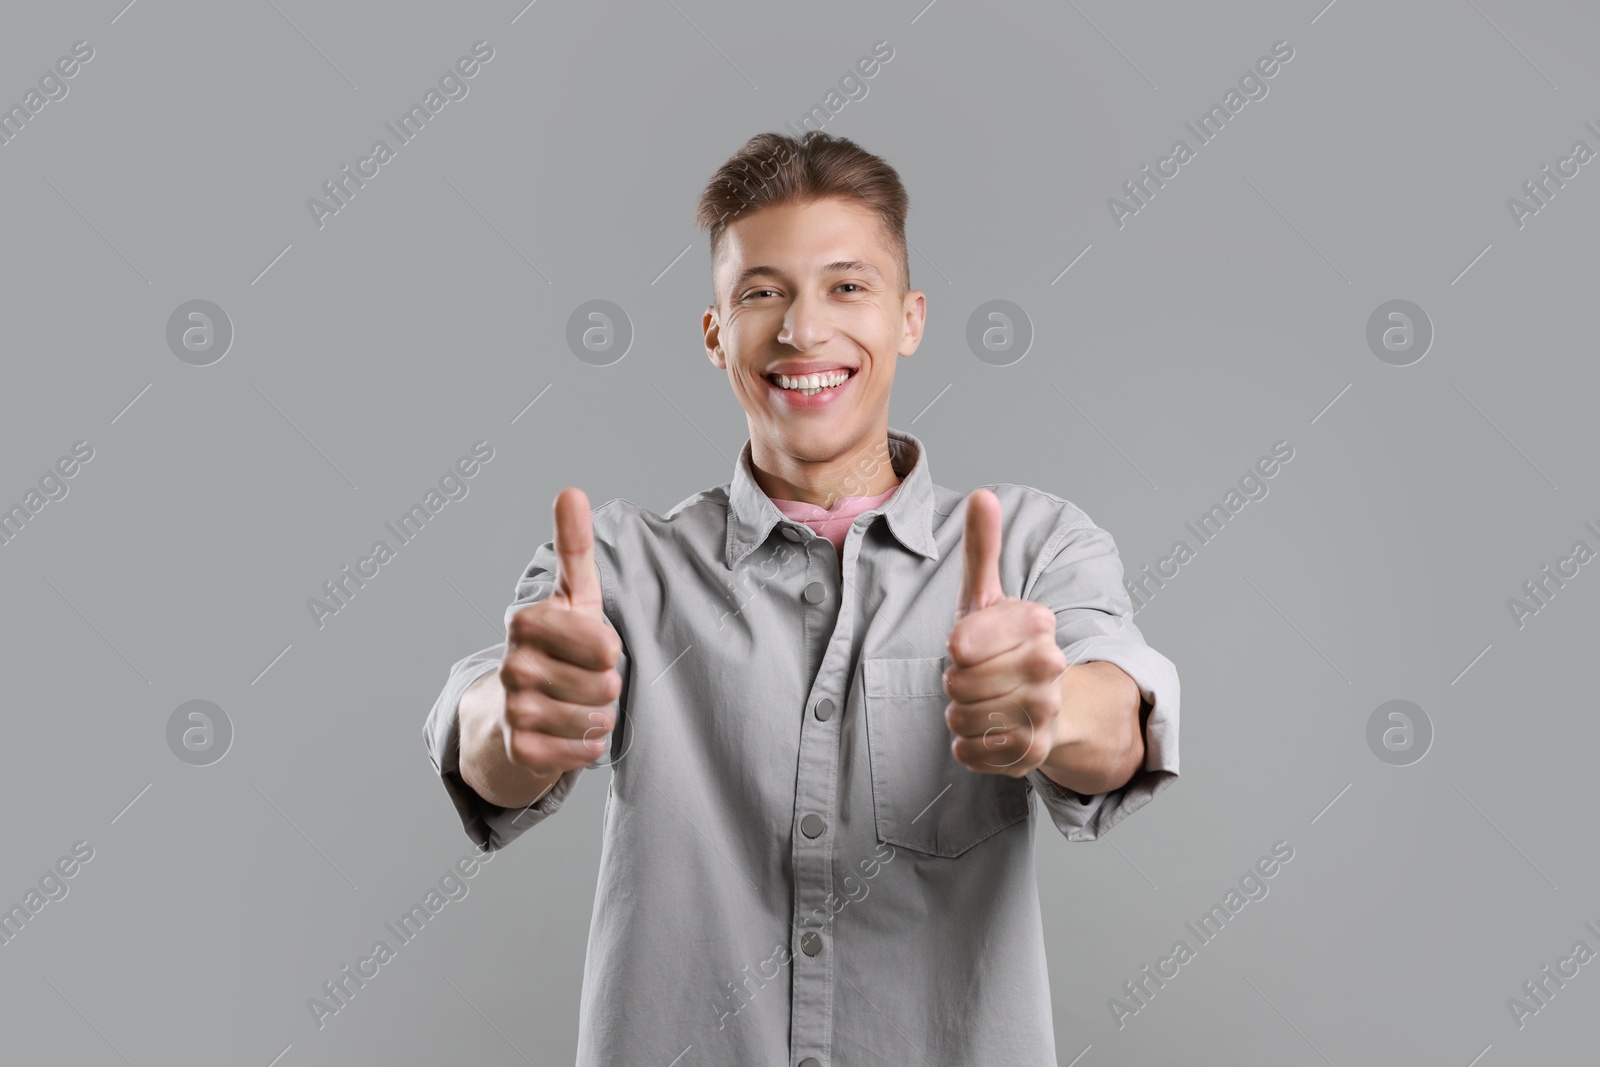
(485, 767)
(1099, 738)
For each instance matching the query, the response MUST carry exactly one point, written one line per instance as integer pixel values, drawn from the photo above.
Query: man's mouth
(811, 384)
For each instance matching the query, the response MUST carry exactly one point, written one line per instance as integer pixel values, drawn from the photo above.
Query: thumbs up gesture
(559, 668)
(1005, 680)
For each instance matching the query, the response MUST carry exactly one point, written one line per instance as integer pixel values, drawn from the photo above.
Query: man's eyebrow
(852, 265)
(836, 267)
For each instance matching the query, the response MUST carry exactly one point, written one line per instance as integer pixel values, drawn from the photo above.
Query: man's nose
(807, 324)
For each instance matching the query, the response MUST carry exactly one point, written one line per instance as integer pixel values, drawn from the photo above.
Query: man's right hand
(559, 671)
(547, 710)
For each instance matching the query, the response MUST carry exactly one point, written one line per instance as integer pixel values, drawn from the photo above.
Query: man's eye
(853, 284)
(757, 292)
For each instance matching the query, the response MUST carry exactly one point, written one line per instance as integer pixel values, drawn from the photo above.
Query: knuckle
(524, 749)
(523, 712)
(954, 720)
(1049, 661)
(526, 622)
(1037, 705)
(514, 669)
(520, 677)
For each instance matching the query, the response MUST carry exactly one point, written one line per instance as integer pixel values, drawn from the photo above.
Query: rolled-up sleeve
(489, 825)
(1080, 579)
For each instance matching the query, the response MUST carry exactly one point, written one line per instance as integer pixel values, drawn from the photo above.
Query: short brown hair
(774, 168)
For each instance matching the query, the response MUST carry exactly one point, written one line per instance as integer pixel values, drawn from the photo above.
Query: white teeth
(812, 384)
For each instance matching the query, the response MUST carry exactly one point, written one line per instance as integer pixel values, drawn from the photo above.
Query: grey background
(1227, 315)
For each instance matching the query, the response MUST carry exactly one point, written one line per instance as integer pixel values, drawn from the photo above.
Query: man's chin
(814, 439)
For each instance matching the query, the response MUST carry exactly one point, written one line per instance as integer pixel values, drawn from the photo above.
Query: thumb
(980, 546)
(577, 577)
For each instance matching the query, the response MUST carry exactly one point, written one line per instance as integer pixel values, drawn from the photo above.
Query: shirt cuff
(1085, 818)
(489, 826)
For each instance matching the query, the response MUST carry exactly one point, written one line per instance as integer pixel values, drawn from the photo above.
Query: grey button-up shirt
(796, 870)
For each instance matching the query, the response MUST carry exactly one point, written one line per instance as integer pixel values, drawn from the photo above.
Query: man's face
(803, 289)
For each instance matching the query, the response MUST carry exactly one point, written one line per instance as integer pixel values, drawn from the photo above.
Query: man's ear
(916, 308)
(713, 337)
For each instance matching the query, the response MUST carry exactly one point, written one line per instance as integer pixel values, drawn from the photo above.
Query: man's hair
(774, 168)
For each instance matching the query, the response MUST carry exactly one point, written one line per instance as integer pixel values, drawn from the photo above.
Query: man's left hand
(1005, 678)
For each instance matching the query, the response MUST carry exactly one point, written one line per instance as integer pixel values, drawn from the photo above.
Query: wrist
(484, 762)
(1097, 736)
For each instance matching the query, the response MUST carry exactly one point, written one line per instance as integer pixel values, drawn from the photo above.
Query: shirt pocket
(922, 797)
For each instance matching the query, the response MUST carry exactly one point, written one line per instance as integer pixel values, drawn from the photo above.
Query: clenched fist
(559, 670)
(1005, 680)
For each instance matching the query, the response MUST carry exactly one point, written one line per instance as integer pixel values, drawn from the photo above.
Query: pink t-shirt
(832, 523)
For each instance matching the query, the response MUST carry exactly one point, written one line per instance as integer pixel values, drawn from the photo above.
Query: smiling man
(831, 689)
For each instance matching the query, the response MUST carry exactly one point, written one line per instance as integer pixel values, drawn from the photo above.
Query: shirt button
(815, 592)
(810, 1061)
(791, 533)
(824, 709)
(813, 825)
(811, 943)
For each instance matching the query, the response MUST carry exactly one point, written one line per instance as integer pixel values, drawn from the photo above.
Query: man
(830, 689)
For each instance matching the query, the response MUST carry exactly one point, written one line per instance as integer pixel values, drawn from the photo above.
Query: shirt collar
(909, 512)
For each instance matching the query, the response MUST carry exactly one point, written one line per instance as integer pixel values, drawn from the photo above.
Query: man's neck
(863, 471)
